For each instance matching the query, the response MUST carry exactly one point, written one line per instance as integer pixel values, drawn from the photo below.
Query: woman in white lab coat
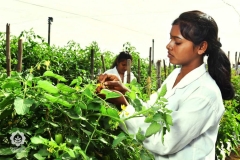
(119, 67)
(195, 92)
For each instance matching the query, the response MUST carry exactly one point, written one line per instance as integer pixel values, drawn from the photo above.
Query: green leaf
(77, 81)
(74, 82)
(152, 129)
(47, 86)
(38, 156)
(149, 118)
(94, 106)
(78, 110)
(22, 106)
(158, 117)
(11, 83)
(112, 112)
(102, 140)
(146, 156)
(169, 119)
(110, 94)
(71, 114)
(6, 151)
(81, 104)
(38, 140)
(64, 88)
(163, 91)
(22, 154)
(238, 117)
(103, 109)
(51, 74)
(140, 137)
(82, 153)
(43, 151)
(137, 104)
(58, 100)
(131, 95)
(87, 92)
(119, 139)
(163, 99)
(86, 131)
(6, 101)
(71, 153)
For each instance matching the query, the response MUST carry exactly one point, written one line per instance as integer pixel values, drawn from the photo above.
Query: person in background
(119, 67)
(195, 91)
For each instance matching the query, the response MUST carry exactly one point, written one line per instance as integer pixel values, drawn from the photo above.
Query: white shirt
(114, 71)
(197, 107)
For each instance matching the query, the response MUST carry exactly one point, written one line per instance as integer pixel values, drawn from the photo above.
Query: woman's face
(180, 50)
(122, 66)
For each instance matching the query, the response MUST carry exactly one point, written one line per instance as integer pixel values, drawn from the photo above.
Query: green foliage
(54, 95)
(62, 121)
(229, 131)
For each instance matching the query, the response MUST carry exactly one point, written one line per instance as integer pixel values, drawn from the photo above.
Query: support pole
(8, 55)
(50, 19)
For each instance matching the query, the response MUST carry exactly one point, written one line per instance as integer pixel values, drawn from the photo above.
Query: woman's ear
(202, 47)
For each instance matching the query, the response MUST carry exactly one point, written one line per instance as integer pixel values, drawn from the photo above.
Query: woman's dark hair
(124, 55)
(197, 27)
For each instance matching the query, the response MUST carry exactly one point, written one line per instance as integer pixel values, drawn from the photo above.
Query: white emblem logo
(17, 138)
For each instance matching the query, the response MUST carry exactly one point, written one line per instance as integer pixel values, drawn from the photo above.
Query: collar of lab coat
(116, 72)
(187, 79)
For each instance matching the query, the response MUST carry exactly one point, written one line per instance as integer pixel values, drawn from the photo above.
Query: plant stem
(92, 134)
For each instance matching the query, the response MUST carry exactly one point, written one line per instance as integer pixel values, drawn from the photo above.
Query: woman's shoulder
(205, 87)
(112, 70)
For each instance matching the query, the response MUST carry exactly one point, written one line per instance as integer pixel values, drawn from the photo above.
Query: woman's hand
(112, 82)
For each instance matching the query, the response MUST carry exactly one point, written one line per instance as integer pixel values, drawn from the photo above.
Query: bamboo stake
(8, 55)
(103, 63)
(236, 65)
(150, 62)
(238, 70)
(92, 64)
(153, 51)
(164, 67)
(139, 67)
(20, 53)
(238, 58)
(128, 70)
(158, 74)
(149, 85)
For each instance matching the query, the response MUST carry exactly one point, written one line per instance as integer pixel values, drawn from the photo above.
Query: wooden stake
(236, 63)
(20, 53)
(139, 73)
(128, 70)
(150, 62)
(158, 74)
(165, 71)
(8, 54)
(103, 63)
(92, 64)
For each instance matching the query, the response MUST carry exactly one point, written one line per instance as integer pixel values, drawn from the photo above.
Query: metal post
(50, 19)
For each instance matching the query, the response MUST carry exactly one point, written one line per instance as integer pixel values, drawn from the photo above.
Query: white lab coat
(114, 71)
(197, 107)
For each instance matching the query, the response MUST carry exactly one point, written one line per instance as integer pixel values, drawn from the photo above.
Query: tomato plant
(54, 95)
